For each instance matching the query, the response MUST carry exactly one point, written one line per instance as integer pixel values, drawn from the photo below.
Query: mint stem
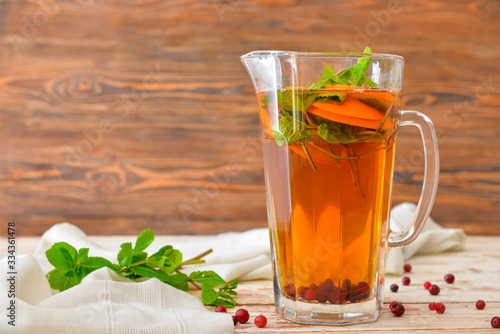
(197, 259)
(308, 155)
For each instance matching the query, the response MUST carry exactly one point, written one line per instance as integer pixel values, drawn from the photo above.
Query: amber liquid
(328, 221)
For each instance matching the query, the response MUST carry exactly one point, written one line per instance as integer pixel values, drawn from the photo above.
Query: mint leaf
(144, 240)
(209, 278)
(290, 130)
(62, 280)
(335, 97)
(222, 302)
(264, 101)
(328, 78)
(95, 262)
(208, 294)
(61, 255)
(364, 62)
(125, 255)
(332, 133)
(173, 259)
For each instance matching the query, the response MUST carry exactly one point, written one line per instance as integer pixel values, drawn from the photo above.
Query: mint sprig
(353, 75)
(71, 266)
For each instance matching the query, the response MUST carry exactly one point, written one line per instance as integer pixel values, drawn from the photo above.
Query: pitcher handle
(431, 177)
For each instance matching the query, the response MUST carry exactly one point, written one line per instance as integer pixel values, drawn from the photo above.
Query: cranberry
(440, 308)
(302, 291)
(394, 287)
(434, 290)
(235, 321)
(221, 308)
(242, 315)
(310, 294)
(450, 278)
(432, 306)
(322, 295)
(334, 297)
(313, 286)
(398, 309)
(260, 321)
(363, 290)
(480, 304)
(495, 322)
(406, 280)
(346, 284)
(427, 285)
(292, 290)
(392, 305)
(407, 268)
(327, 285)
(343, 297)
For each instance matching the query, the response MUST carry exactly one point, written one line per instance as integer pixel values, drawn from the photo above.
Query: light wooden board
(477, 272)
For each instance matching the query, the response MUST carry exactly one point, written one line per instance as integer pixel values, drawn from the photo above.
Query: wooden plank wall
(122, 115)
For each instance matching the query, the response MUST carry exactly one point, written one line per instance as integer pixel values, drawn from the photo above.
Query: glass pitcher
(329, 123)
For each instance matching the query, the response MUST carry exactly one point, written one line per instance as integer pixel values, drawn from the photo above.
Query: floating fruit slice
(352, 108)
(361, 122)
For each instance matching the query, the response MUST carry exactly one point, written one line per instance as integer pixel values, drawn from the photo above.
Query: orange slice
(364, 123)
(351, 108)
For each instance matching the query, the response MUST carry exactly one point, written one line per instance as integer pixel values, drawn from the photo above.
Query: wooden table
(477, 272)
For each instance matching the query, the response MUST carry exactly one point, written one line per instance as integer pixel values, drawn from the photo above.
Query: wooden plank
(172, 68)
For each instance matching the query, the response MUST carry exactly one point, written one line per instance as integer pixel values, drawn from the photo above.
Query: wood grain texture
(476, 273)
(122, 115)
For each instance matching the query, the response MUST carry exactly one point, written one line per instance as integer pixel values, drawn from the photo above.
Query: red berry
(406, 280)
(327, 285)
(392, 305)
(480, 304)
(495, 322)
(242, 315)
(221, 308)
(302, 291)
(260, 321)
(235, 321)
(427, 285)
(310, 294)
(334, 297)
(434, 290)
(407, 268)
(394, 287)
(398, 309)
(322, 295)
(432, 306)
(363, 290)
(450, 278)
(440, 308)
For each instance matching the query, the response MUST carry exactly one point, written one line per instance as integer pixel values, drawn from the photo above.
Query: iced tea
(329, 156)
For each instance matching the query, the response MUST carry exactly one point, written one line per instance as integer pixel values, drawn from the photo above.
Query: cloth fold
(107, 303)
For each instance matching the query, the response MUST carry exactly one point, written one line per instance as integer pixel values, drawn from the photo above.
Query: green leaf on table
(61, 255)
(96, 262)
(172, 261)
(144, 240)
(208, 277)
(62, 280)
(126, 254)
(208, 294)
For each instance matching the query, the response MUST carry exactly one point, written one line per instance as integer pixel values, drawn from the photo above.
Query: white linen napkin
(433, 239)
(107, 303)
